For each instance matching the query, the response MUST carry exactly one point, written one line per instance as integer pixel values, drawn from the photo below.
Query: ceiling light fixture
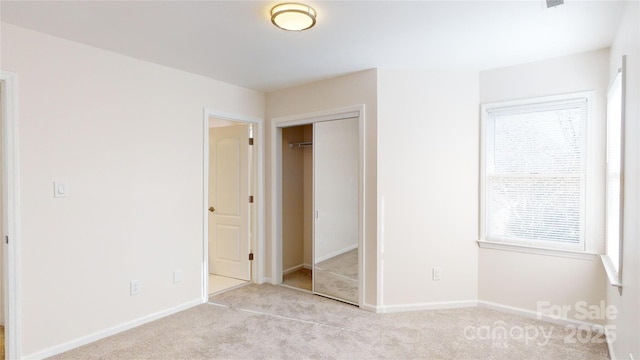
(293, 16)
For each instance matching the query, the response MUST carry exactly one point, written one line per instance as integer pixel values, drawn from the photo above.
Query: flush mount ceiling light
(293, 16)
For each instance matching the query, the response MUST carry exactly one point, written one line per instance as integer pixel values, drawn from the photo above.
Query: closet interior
(297, 206)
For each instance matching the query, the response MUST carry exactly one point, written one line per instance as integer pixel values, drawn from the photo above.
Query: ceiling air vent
(554, 3)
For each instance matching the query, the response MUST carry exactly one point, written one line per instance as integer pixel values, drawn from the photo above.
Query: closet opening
(297, 206)
(319, 209)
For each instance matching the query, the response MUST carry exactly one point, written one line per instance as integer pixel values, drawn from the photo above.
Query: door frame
(256, 242)
(11, 214)
(277, 124)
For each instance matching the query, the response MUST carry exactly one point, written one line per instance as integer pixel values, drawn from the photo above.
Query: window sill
(612, 274)
(581, 255)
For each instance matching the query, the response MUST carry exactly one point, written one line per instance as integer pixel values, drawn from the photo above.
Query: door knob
(212, 209)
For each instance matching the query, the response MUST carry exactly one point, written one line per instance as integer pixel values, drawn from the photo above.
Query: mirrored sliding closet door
(335, 197)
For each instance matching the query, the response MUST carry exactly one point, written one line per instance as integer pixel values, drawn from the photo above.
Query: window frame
(580, 250)
(615, 275)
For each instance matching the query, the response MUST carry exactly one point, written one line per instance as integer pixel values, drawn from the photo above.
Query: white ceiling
(235, 42)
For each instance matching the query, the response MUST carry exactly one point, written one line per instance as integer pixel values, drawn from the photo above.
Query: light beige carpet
(338, 277)
(2, 343)
(275, 322)
(300, 278)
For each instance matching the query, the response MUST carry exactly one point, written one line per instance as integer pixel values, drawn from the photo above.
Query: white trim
(205, 205)
(552, 98)
(610, 347)
(318, 116)
(615, 275)
(612, 274)
(380, 250)
(257, 244)
(276, 204)
(439, 305)
(246, 283)
(369, 307)
(362, 202)
(296, 268)
(536, 315)
(276, 183)
(58, 349)
(11, 214)
(581, 255)
(336, 253)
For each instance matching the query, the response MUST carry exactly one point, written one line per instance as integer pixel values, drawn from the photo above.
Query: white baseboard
(612, 354)
(296, 268)
(535, 315)
(336, 253)
(58, 349)
(369, 307)
(427, 306)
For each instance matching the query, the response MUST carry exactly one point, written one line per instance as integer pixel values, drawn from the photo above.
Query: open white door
(229, 218)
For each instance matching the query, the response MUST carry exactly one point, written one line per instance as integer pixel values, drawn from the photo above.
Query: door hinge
(250, 141)
(250, 256)
(250, 199)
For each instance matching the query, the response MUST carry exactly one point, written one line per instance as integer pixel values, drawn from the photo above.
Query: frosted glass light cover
(293, 16)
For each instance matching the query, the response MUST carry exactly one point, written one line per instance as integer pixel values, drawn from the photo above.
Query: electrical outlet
(60, 189)
(437, 273)
(135, 287)
(177, 276)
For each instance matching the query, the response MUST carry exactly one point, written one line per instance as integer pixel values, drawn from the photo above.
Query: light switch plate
(177, 276)
(60, 189)
(436, 273)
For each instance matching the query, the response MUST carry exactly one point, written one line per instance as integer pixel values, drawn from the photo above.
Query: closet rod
(301, 144)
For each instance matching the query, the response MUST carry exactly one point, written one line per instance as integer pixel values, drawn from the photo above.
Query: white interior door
(229, 201)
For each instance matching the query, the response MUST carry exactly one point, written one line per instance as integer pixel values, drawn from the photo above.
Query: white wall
(353, 89)
(521, 280)
(427, 186)
(127, 136)
(627, 322)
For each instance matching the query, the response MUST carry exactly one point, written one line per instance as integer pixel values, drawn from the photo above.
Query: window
(614, 137)
(615, 179)
(534, 172)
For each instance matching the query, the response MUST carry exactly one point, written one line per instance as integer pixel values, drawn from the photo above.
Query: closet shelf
(302, 144)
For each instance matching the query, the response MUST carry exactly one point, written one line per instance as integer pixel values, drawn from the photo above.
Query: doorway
(230, 200)
(9, 225)
(3, 251)
(318, 188)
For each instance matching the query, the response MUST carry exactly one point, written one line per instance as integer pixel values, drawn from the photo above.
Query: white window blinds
(535, 172)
